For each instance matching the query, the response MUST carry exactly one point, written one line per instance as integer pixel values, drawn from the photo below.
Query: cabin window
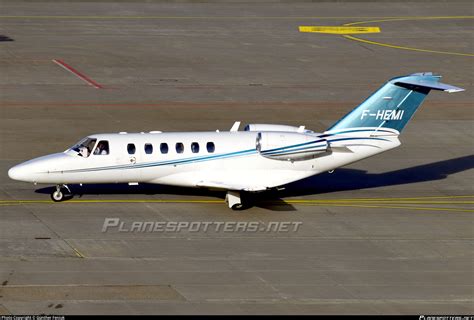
(195, 147)
(164, 148)
(131, 148)
(148, 148)
(102, 148)
(179, 147)
(210, 147)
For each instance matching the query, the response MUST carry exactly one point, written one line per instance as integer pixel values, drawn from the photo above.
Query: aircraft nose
(35, 170)
(22, 172)
(17, 172)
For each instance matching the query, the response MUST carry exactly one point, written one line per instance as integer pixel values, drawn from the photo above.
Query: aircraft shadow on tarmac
(340, 180)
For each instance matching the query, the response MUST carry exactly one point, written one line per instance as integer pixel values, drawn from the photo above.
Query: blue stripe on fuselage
(213, 157)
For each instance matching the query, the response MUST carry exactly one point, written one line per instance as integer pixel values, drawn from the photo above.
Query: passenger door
(127, 159)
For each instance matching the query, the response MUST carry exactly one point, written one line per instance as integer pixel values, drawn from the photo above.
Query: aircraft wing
(226, 186)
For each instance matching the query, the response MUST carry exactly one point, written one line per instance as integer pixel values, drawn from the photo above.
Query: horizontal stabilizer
(411, 83)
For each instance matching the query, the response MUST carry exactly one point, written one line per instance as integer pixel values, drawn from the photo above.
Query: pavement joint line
(221, 17)
(76, 252)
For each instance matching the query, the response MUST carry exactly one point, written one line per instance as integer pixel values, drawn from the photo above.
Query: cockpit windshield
(84, 147)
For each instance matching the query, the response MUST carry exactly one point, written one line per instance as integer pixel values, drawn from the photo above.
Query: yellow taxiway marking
(413, 203)
(388, 19)
(387, 207)
(387, 45)
(78, 253)
(339, 30)
(394, 199)
(192, 200)
(428, 199)
(406, 48)
(378, 19)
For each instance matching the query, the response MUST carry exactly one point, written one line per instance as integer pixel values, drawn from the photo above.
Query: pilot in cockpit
(84, 147)
(84, 152)
(101, 149)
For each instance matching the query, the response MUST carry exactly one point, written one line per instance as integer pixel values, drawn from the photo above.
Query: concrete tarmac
(390, 234)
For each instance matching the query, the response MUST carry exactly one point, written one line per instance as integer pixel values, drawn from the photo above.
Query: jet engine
(276, 127)
(290, 146)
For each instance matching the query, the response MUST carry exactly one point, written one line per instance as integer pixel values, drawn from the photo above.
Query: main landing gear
(60, 193)
(234, 201)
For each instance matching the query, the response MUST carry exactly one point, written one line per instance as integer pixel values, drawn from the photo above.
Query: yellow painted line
(383, 202)
(414, 198)
(78, 253)
(391, 207)
(406, 48)
(392, 46)
(397, 199)
(339, 30)
(408, 19)
(9, 202)
(429, 199)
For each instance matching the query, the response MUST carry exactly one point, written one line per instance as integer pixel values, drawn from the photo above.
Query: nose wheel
(60, 193)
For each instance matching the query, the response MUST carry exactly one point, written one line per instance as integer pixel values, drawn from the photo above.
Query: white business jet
(259, 158)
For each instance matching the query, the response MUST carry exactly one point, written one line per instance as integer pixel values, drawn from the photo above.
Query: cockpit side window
(84, 147)
(102, 148)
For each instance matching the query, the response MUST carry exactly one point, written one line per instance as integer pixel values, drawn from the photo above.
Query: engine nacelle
(289, 146)
(275, 127)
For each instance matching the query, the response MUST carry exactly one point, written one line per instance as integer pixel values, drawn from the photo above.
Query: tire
(57, 196)
(237, 206)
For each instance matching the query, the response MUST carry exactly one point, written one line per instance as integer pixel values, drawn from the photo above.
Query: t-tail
(392, 105)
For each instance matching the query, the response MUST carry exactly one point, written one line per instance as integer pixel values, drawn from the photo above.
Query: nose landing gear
(60, 193)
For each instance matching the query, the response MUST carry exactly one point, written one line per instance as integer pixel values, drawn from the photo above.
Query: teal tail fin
(394, 104)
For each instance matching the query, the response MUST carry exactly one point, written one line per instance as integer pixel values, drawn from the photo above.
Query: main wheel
(57, 196)
(237, 206)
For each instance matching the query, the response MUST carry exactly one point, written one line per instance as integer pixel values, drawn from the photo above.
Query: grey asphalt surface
(186, 66)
